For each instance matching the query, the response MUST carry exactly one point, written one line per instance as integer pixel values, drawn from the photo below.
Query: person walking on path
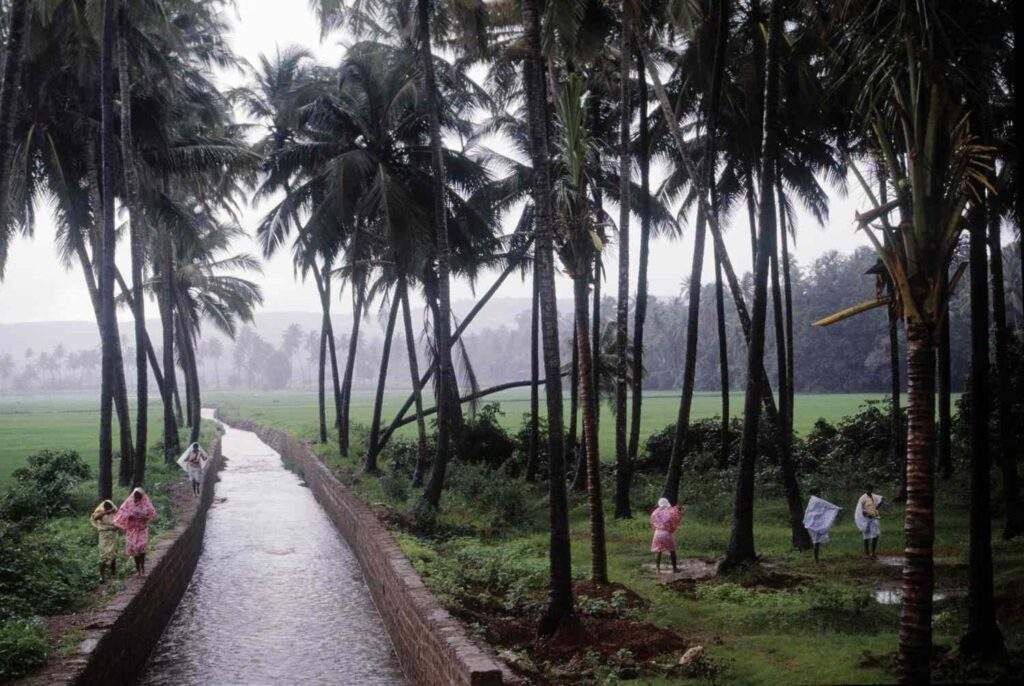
(818, 520)
(665, 520)
(868, 520)
(194, 461)
(102, 519)
(133, 517)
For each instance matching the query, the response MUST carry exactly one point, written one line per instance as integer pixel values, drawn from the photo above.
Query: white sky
(38, 288)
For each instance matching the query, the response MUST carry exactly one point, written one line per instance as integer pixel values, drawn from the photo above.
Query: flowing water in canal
(278, 596)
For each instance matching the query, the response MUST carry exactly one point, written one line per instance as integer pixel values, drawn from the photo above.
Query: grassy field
(296, 411)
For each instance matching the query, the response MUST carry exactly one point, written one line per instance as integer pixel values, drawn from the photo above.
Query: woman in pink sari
(665, 520)
(134, 517)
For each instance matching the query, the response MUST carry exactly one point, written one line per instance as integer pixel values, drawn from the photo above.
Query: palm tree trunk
(534, 455)
(166, 303)
(598, 555)
(10, 95)
(640, 315)
(741, 545)
(1007, 459)
(895, 413)
(370, 465)
(320, 391)
(944, 449)
(120, 388)
(560, 610)
(154, 365)
(136, 240)
(574, 395)
(983, 639)
(323, 279)
(107, 247)
(197, 396)
(915, 640)
(787, 291)
(622, 463)
(672, 478)
(800, 538)
(595, 333)
(718, 71)
(414, 373)
(442, 323)
(346, 385)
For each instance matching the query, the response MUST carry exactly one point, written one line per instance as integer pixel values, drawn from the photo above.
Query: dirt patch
(687, 569)
(609, 637)
(612, 598)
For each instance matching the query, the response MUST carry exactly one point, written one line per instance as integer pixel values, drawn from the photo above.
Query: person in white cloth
(193, 461)
(867, 519)
(818, 520)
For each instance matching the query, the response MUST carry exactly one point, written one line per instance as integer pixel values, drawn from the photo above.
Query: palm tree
(560, 607)
(983, 637)
(370, 464)
(622, 464)
(916, 123)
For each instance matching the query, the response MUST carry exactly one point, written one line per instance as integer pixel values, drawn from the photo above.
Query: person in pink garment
(665, 520)
(133, 517)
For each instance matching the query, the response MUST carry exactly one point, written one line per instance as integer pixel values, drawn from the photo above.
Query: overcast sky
(38, 288)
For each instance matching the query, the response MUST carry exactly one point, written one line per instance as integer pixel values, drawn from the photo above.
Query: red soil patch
(607, 637)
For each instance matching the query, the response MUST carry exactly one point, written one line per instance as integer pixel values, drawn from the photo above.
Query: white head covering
(663, 502)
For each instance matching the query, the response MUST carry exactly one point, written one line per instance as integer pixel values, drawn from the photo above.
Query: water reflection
(277, 595)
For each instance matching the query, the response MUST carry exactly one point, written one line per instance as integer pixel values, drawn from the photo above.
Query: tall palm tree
(915, 120)
(560, 609)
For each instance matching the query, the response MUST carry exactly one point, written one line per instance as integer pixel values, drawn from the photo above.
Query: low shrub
(522, 447)
(396, 486)
(45, 486)
(502, 502)
(23, 647)
(510, 571)
(483, 440)
(48, 570)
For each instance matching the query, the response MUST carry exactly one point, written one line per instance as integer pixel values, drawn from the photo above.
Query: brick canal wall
(432, 646)
(116, 639)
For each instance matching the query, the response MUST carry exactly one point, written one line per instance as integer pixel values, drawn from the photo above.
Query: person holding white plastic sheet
(193, 461)
(818, 520)
(868, 520)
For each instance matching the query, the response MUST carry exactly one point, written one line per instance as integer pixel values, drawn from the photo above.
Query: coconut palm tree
(17, 14)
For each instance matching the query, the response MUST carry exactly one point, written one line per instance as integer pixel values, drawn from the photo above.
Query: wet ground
(278, 596)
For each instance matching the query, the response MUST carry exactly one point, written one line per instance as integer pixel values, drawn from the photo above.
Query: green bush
(501, 501)
(510, 571)
(48, 570)
(483, 440)
(522, 448)
(395, 486)
(23, 647)
(45, 486)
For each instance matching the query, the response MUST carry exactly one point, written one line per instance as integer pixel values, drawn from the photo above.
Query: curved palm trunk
(598, 555)
(640, 315)
(787, 292)
(741, 545)
(414, 373)
(534, 455)
(346, 384)
(370, 465)
(466, 321)
(723, 363)
(320, 382)
(595, 337)
(1007, 458)
(983, 638)
(107, 247)
(560, 609)
(672, 478)
(944, 449)
(191, 372)
(919, 525)
(324, 286)
(10, 95)
(622, 463)
(136, 240)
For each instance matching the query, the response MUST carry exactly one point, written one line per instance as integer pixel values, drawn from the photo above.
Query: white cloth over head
(819, 518)
(870, 527)
(194, 469)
